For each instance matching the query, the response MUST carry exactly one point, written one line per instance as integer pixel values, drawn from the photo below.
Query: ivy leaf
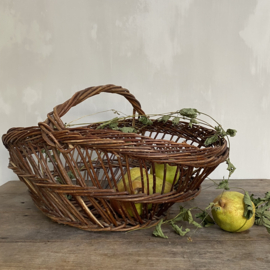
(192, 121)
(188, 112)
(254, 200)
(58, 179)
(113, 124)
(207, 220)
(231, 132)
(224, 184)
(220, 131)
(267, 196)
(70, 175)
(258, 220)
(262, 209)
(262, 213)
(128, 129)
(146, 121)
(181, 214)
(176, 120)
(179, 230)
(110, 123)
(259, 200)
(211, 140)
(188, 217)
(267, 214)
(231, 168)
(196, 224)
(266, 222)
(164, 118)
(158, 231)
(248, 212)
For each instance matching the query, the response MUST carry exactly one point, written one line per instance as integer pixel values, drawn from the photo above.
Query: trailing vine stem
(171, 114)
(228, 139)
(186, 114)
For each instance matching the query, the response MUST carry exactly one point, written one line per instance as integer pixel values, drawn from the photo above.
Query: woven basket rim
(133, 144)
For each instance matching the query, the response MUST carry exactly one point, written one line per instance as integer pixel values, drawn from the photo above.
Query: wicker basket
(72, 173)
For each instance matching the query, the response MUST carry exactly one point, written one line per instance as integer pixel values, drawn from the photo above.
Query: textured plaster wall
(206, 54)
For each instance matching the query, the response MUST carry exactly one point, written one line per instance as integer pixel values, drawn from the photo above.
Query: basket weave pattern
(72, 173)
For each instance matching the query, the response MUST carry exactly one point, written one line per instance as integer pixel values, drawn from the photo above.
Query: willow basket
(72, 173)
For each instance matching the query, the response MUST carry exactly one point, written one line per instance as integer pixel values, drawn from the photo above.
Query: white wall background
(206, 54)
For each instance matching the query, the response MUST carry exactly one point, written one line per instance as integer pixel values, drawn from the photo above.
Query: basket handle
(54, 118)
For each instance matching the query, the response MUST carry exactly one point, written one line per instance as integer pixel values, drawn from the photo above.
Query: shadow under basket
(74, 174)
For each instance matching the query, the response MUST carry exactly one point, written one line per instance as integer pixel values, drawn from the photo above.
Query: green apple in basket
(134, 173)
(137, 187)
(170, 172)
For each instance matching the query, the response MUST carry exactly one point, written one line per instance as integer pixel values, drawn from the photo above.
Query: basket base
(122, 225)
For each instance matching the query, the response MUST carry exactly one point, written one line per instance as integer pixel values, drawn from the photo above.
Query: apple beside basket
(72, 174)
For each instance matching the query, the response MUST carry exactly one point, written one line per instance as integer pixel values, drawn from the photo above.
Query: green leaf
(258, 221)
(231, 168)
(146, 121)
(256, 201)
(262, 213)
(266, 222)
(220, 131)
(110, 123)
(263, 219)
(181, 214)
(128, 130)
(267, 214)
(192, 121)
(267, 196)
(70, 175)
(113, 124)
(58, 179)
(188, 217)
(176, 120)
(211, 140)
(224, 184)
(263, 208)
(196, 224)
(188, 112)
(158, 231)
(178, 230)
(207, 220)
(259, 200)
(231, 132)
(248, 212)
(164, 118)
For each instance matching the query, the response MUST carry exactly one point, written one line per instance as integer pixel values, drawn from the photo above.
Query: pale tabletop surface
(29, 240)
